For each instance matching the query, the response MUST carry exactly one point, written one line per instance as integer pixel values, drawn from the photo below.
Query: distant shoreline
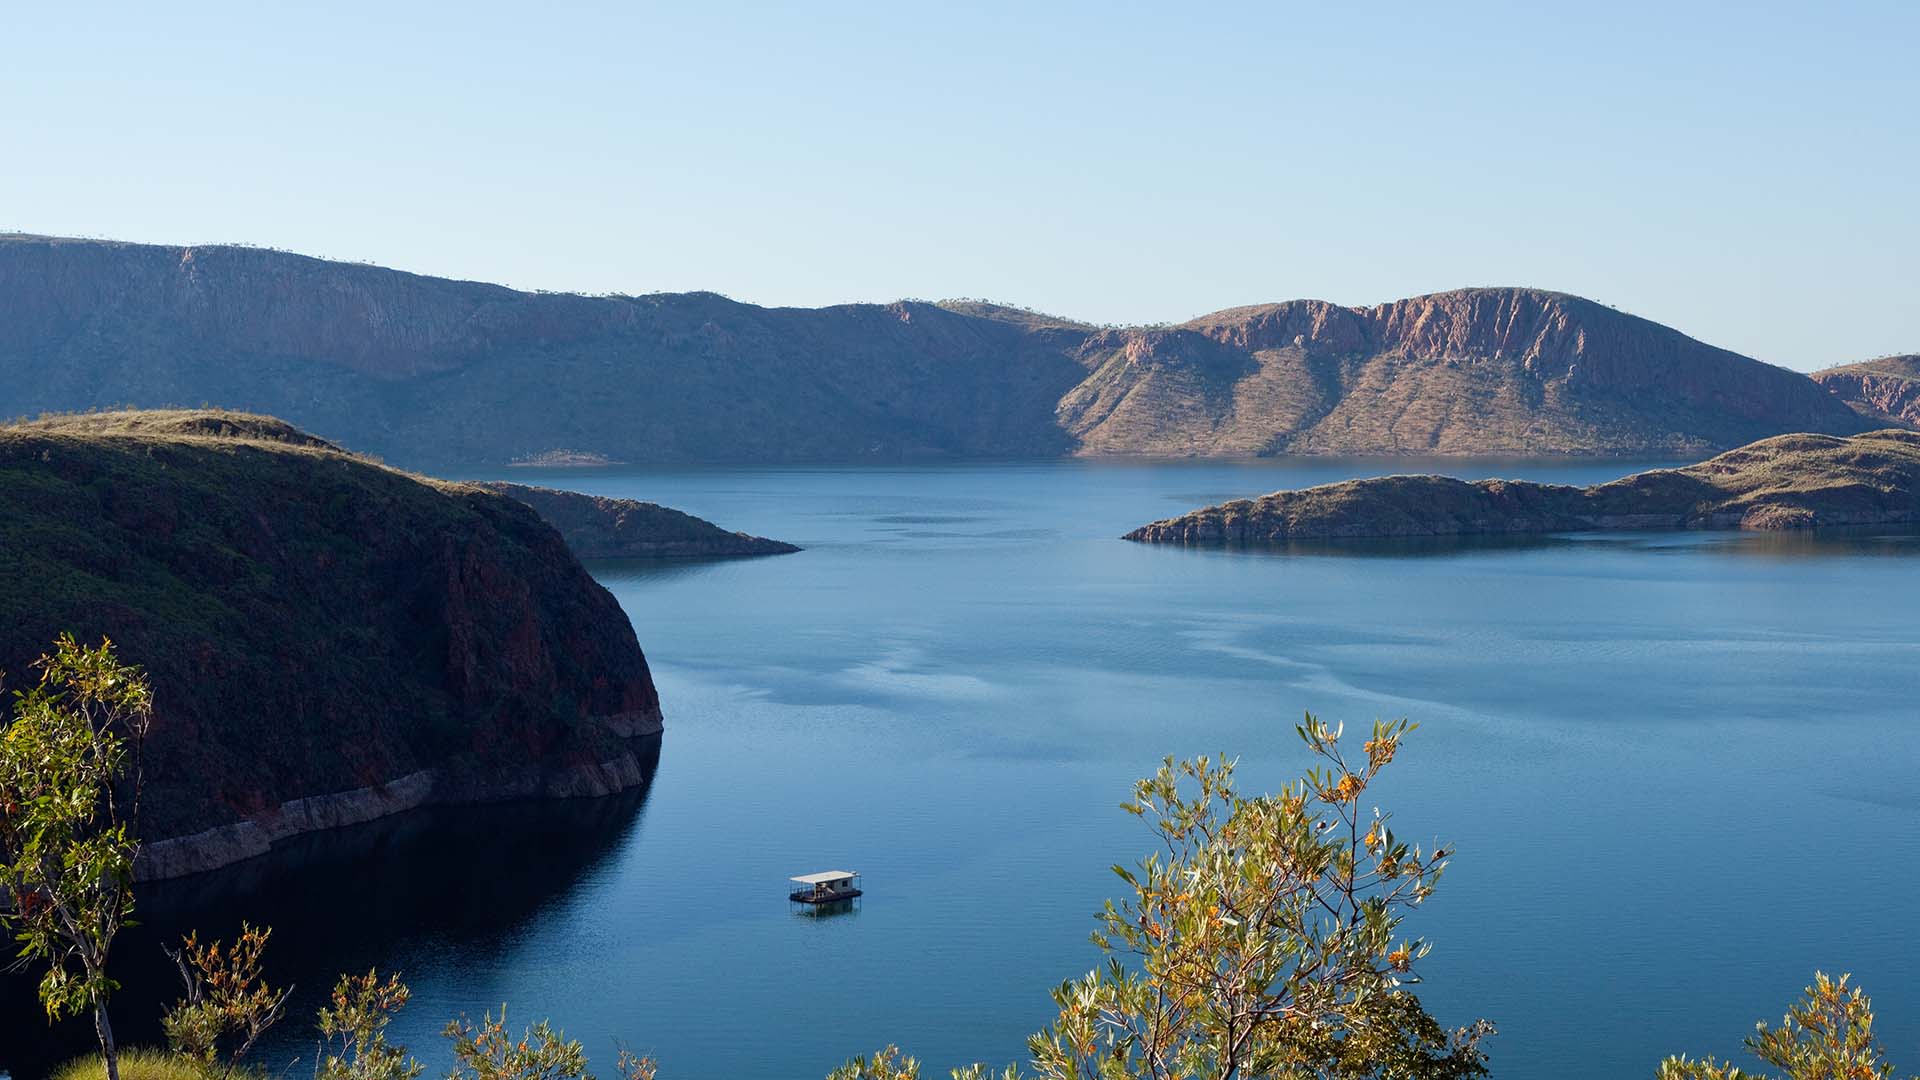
(226, 845)
(563, 459)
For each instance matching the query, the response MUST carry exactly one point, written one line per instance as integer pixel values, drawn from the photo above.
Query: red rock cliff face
(433, 372)
(1885, 389)
(1313, 324)
(1555, 336)
(328, 639)
(1477, 371)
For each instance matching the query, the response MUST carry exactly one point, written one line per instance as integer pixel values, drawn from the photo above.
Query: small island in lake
(563, 459)
(1785, 482)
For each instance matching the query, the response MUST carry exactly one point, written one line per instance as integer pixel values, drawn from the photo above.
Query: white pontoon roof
(823, 877)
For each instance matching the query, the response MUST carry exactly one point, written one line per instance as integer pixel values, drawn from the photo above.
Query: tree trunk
(103, 1027)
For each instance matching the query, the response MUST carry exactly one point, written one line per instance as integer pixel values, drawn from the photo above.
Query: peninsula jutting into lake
(1786, 482)
(246, 561)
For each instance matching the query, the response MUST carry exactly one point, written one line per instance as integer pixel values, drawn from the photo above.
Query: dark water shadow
(1400, 547)
(930, 519)
(1891, 541)
(342, 901)
(613, 571)
(833, 909)
(1879, 541)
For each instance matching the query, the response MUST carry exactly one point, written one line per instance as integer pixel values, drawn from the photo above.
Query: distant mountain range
(434, 372)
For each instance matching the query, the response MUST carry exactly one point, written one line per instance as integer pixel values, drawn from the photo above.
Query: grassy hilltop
(317, 626)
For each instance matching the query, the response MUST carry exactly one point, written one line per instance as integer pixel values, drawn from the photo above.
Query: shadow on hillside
(341, 901)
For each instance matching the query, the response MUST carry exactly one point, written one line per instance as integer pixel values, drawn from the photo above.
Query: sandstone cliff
(329, 639)
(434, 372)
(596, 527)
(1886, 390)
(427, 371)
(1478, 371)
(1786, 482)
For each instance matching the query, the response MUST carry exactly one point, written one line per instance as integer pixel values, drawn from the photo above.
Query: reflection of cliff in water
(339, 901)
(1829, 541)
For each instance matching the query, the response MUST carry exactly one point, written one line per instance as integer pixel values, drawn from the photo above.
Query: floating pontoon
(825, 887)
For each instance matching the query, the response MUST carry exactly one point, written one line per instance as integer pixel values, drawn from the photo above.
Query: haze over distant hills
(429, 371)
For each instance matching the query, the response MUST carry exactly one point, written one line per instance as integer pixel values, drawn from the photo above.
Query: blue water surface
(1679, 770)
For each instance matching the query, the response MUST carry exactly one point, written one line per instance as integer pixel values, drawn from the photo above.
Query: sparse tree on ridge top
(69, 804)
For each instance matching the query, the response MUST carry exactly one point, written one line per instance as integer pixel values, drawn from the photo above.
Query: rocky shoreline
(1786, 482)
(225, 845)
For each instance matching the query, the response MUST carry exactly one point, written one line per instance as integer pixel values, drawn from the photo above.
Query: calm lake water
(1679, 770)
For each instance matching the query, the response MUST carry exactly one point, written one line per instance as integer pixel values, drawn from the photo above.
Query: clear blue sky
(1746, 172)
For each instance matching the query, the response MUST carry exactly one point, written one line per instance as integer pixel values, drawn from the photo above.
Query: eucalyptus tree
(228, 1004)
(1826, 1035)
(69, 808)
(1261, 939)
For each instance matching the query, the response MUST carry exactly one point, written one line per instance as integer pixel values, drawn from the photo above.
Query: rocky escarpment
(1885, 390)
(328, 639)
(596, 527)
(1476, 371)
(432, 372)
(1786, 482)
